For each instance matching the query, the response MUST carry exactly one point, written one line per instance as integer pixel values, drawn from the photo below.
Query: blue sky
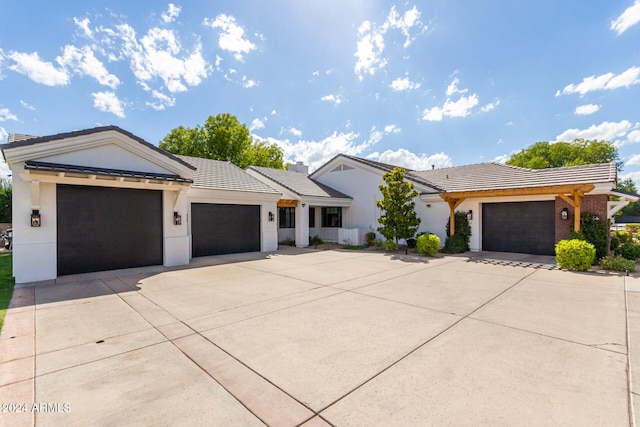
(416, 84)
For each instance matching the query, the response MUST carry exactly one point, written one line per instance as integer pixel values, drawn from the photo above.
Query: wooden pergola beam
(287, 203)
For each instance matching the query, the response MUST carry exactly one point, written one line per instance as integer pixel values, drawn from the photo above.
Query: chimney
(300, 168)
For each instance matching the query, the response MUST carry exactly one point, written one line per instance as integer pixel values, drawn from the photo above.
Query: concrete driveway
(316, 338)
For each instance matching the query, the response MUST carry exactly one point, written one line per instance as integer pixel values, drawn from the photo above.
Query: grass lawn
(6, 284)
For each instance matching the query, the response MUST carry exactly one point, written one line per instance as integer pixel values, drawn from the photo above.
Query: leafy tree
(5, 200)
(632, 209)
(399, 219)
(543, 155)
(223, 137)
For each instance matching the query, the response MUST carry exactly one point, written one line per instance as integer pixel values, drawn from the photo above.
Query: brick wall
(596, 204)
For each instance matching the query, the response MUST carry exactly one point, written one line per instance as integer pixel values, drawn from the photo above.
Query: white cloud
(274, 112)
(4, 167)
(171, 14)
(370, 45)
(5, 115)
(248, 83)
(635, 176)
(256, 124)
(109, 103)
(27, 106)
(501, 158)
(232, 38)
(295, 132)
(633, 160)
(404, 23)
(586, 109)
(409, 160)
(83, 24)
(3, 134)
(30, 65)
(607, 131)
(490, 106)
(633, 136)
(403, 83)
(392, 129)
(459, 108)
(161, 101)
(317, 153)
(83, 62)
(336, 99)
(608, 81)
(628, 18)
(157, 55)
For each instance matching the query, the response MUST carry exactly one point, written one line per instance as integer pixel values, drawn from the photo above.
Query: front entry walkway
(320, 338)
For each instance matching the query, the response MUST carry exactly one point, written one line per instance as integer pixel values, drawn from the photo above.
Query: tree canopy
(5, 199)
(399, 219)
(223, 137)
(543, 155)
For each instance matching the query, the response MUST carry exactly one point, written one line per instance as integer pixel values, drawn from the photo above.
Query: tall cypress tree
(399, 219)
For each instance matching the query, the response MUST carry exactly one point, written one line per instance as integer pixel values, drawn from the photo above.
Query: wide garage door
(524, 227)
(102, 228)
(224, 229)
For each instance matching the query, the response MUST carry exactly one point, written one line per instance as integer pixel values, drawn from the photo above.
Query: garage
(104, 228)
(523, 227)
(224, 228)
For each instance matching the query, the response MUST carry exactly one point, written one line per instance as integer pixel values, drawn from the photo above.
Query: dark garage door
(524, 227)
(224, 229)
(107, 228)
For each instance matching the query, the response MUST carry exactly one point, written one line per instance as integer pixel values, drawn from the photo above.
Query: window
(332, 217)
(287, 217)
(312, 217)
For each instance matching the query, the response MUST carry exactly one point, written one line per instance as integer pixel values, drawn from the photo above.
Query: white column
(302, 225)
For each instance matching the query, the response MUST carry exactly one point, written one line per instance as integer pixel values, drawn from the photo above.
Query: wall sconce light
(564, 214)
(428, 205)
(177, 218)
(470, 215)
(271, 217)
(35, 218)
(304, 204)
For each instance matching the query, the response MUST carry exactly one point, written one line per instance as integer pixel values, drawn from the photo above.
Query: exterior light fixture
(271, 217)
(177, 218)
(35, 218)
(428, 205)
(564, 214)
(304, 204)
(470, 215)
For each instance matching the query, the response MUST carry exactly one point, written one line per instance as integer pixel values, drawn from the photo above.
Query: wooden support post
(453, 204)
(577, 196)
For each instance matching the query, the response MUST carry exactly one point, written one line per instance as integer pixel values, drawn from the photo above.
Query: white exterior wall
(267, 203)
(177, 242)
(34, 248)
(363, 214)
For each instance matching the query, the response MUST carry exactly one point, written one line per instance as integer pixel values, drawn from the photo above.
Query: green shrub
(617, 263)
(428, 244)
(390, 245)
(623, 236)
(594, 230)
(370, 237)
(288, 242)
(575, 254)
(628, 250)
(455, 244)
(459, 242)
(315, 241)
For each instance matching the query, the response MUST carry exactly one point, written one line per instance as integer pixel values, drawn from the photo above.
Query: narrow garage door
(524, 227)
(224, 229)
(103, 228)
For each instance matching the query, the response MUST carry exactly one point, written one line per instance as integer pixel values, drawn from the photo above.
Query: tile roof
(496, 176)
(41, 139)
(299, 183)
(219, 175)
(90, 170)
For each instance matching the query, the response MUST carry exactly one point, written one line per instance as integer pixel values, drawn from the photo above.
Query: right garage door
(224, 229)
(524, 227)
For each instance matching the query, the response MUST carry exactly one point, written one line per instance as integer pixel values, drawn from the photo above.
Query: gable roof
(27, 140)
(219, 175)
(299, 183)
(496, 176)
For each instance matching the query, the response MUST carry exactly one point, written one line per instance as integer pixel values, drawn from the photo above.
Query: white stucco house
(104, 199)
